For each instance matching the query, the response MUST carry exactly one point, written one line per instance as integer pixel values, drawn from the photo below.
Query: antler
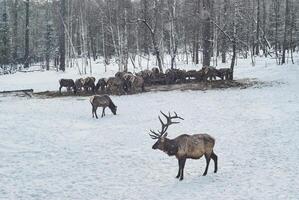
(165, 126)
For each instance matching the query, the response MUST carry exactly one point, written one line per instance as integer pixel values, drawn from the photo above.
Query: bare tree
(154, 30)
(286, 26)
(26, 57)
(206, 33)
(62, 35)
(15, 30)
(173, 31)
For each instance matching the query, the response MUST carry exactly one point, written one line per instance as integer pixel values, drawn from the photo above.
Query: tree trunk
(15, 31)
(276, 11)
(4, 38)
(26, 57)
(62, 35)
(234, 43)
(48, 39)
(286, 21)
(257, 46)
(125, 41)
(206, 46)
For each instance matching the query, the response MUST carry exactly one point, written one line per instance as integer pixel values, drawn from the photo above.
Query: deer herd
(128, 83)
(184, 146)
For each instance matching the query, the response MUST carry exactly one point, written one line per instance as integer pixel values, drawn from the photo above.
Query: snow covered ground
(53, 149)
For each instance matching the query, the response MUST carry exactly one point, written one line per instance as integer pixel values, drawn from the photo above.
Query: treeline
(123, 31)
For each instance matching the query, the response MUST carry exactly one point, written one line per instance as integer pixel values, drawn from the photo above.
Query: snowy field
(54, 149)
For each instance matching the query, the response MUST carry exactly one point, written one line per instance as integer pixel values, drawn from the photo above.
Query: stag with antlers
(184, 146)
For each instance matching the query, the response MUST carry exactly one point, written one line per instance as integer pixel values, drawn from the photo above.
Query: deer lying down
(185, 146)
(102, 101)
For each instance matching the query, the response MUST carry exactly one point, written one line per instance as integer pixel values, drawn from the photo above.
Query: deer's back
(100, 100)
(194, 146)
(66, 82)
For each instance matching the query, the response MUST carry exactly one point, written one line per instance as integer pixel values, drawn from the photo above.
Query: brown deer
(101, 84)
(115, 86)
(79, 84)
(209, 73)
(68, 83)
(226, 73)
(102, 101)
(137, 84)
(89, 83)
(184, 146)
(147, 76)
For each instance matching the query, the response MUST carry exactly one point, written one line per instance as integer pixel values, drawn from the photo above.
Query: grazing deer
(226, 73)
(147, 76)
(137, 84)
(155, 71)
(191, 74)
(127, 83)
(102, 101)
(209, 73)
(175, 76)
(119, 74)
(79, 84)
(101, 84)
(115, 86)
(184, 146)
(68, 83)
(89, 83)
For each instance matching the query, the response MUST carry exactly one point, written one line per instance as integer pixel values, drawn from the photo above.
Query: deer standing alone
(102, 101)
(184, 146)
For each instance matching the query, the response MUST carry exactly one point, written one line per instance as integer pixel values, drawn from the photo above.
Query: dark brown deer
(226, 73)
(147, 76)
(115, 86)
(184, 146)
(102, 101)
(101, 84)
(209, 73)
(89, 83)
(137, 84)
(79, 84)
(68, 83)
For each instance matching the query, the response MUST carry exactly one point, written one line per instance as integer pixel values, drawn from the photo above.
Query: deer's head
(163, 143)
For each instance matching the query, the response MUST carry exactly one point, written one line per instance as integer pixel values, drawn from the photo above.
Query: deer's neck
(171, 147)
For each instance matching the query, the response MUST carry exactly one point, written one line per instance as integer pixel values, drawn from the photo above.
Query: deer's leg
(92, 111)
(95, 112)
(215, 159)
(103, 112)
(60, 89)
(208, 158)
(179, 172)
(182, 165)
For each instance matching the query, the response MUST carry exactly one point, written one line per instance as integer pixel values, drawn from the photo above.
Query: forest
(55, 34)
